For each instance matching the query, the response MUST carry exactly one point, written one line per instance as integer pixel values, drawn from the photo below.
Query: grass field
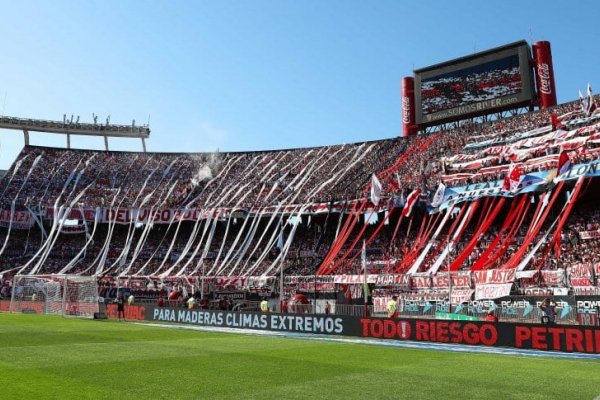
(44, 357)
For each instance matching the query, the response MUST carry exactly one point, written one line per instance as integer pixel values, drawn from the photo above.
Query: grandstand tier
(481, 211)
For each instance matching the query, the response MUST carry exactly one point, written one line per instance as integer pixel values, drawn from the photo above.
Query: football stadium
(459, 259)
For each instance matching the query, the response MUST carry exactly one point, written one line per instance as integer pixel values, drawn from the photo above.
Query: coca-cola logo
(405, 110)
(544, 78)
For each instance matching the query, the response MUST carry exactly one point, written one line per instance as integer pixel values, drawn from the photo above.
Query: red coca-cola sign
(543, 71)
(544, 74)
(405, 110)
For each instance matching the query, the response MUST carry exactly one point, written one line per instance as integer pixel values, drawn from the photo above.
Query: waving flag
(512, 178)
(582, 103)
(439, 195)
(564, 164)
(556, 123)
(375, 190)
(410, 202)
(591, 104)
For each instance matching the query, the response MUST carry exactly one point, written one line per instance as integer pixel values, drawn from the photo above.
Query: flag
(363, 257)
(439, 195)
(515, 178)
(375, 190)
(512, 178)
(591, 104)
(410, 202)
(564, 164)
(582, 103)
(399, 200)
(556, 123)
(371, 217)
(280, 240)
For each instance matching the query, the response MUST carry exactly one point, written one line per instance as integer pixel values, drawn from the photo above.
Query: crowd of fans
(44, 178)
(311, 242)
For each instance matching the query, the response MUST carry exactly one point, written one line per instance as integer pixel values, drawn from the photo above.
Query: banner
(20, 219)
(460, 279)
(494, 276)
(503, 140)
(586, 235)
(581, 275)
(420, 282)
(566, 338)
(492, 291)
(384, 279)
(73, 229)
(459, 296)
(553, 278)
(530, 182)
(165, 216)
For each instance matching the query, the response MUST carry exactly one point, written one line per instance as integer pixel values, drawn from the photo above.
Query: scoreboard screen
(485, 82)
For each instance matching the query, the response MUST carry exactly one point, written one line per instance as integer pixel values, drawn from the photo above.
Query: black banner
(301, 323)
(567, 338)
(521, 336)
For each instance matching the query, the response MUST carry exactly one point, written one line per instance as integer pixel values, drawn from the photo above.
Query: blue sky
(251, 75)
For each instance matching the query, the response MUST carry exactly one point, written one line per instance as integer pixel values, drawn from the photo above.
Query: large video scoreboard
(482, 83)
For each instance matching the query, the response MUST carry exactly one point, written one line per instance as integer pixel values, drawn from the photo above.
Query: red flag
(556, 123)
(506, 183)
(410, 202)
(512, 178)
(564, 163)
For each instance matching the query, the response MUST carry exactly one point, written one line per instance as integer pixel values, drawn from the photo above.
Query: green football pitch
(44, 357)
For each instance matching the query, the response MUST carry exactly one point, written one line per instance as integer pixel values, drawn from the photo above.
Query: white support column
(68, 141)
(144, 144)
(106, 143)
(26, 136)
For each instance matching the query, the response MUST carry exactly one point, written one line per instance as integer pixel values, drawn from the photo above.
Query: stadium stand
(157, 216)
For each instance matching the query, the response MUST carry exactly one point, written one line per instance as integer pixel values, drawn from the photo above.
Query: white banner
(492, 291)
(494, 276)
(384, 279)
(459, 296)
(586, 235)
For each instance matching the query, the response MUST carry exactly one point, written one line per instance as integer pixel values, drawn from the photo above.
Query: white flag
(582, 103)
(591, 105)
(375, 190)
(363, 257)
(439, 195)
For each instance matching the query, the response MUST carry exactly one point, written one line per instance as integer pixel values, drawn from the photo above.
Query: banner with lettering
(586, 235)
(492, 291)
(20, 219)
(531, 182)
